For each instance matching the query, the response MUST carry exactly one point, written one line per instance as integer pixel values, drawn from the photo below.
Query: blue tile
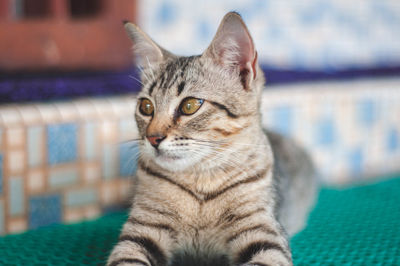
(393, 141)
(1, 173)
(60, 178)
(44, 210)
(16, 196)
(325, 132)
(128, 154)
(2, 215)
(80, 197)
(61, 143)
(366, 112)
(35, 146)
(356, 160)
(282, 120)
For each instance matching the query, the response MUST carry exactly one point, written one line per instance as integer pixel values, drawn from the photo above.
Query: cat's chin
(173, 163)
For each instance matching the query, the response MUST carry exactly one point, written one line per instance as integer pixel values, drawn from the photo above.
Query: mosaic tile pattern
(339, 34)
(58, 159)
(64, 164)
(351, 129)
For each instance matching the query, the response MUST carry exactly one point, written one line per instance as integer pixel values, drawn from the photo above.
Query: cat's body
(208, 191)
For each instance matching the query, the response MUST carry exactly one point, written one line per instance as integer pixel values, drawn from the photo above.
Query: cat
(212, 187)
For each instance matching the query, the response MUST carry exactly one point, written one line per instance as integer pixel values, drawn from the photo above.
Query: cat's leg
(142, 243)
(260, 245)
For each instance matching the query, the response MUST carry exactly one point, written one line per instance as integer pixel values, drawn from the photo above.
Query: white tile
(92, 174)
(124, 107)
(72, 215)
(2, 218)
(103, 108)
(35, 145)
(36, 181)
(91, 212)
(128, 129)
(90, 140)
(109, 162)
(10, 116)
(16, 161)
(85, 109)
(16, 197)
(108, 194)
(49, 113)
(30, 114)
(108, 130)
(17, 225)
(15, 137)
(67, 111)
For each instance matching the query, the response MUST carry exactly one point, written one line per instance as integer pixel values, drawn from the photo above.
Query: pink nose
(155, 140)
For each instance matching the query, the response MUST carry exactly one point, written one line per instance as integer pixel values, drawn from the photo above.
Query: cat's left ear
(233, 48)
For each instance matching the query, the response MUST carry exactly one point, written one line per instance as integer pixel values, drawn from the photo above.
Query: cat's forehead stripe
(181, 86)
(172, 73)
(151, 88)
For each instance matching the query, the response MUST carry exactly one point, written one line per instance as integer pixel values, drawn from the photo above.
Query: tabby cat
(212, 187)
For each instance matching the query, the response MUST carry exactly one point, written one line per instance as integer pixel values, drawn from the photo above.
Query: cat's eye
(190, 106)
(146, 107)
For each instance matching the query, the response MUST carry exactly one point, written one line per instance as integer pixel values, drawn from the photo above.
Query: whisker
(150, 67)
(130, 140)
(134, 78)
(143, 72)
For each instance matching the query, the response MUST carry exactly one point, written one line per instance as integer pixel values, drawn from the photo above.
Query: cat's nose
(155, 140)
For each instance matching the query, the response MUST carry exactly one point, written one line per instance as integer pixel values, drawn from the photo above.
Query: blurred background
(68, 81)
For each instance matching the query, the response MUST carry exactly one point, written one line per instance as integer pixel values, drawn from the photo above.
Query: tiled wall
(69, 161)
(351, 129)
(64, 161)
(302, 34)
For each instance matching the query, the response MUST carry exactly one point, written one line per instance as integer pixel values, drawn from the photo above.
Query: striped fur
(210, 193)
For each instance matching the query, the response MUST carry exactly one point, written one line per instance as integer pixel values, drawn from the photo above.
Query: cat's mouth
(164, 156)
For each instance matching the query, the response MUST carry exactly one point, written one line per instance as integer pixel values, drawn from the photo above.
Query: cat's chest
(201, 244)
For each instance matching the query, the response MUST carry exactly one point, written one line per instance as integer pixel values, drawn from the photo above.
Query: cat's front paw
(253, 264)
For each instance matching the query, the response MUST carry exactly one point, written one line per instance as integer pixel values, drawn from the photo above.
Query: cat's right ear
(147, 52)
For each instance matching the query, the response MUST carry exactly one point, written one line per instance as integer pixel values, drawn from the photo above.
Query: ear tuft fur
(233, 48)
(148, 52)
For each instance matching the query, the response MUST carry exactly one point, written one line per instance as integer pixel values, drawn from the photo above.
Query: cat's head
(190, 109)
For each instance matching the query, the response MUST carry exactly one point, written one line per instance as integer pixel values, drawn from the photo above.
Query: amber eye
(190, 106)
(146, 107)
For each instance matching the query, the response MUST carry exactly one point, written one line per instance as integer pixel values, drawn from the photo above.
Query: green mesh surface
(353, 226)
